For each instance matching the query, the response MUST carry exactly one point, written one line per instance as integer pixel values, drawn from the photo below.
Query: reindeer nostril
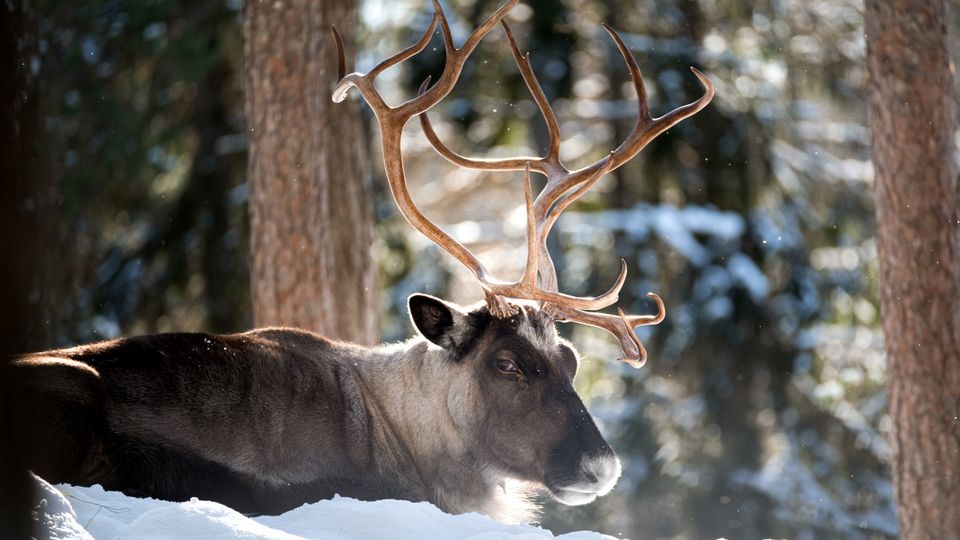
(600, 472)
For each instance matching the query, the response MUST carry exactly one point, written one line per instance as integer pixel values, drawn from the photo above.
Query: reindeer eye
(507, 367)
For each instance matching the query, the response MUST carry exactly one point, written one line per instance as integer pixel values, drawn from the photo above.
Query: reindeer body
(272, 418)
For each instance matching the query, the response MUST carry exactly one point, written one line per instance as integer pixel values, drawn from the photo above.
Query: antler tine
(455, 60)
(479, 164)
(622, 326)
(341, 61)
(634, 70)
(444, 27)
(647, 128)
(486, 27)
(530, 78)
(364, 82)
(407, 53)
(529, 278)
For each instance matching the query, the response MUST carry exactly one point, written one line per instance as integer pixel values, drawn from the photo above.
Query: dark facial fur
(531, 424)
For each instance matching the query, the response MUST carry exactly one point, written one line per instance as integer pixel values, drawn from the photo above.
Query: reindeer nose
(599, 472)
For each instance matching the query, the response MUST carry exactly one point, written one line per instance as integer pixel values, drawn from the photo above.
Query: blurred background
(762, 410)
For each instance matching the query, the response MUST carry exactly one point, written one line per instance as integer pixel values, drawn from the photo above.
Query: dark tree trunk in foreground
(310, 207)
(912, 123)
(20, 207)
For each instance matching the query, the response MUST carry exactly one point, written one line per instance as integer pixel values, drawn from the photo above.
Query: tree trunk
(310, 206)
(22, 204)
(912, 125)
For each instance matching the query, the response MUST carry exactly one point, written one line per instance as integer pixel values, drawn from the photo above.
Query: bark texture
(22, 204)
(310, 207)
(912, 125)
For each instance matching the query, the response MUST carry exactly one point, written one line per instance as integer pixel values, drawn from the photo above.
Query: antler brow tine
(341, 61)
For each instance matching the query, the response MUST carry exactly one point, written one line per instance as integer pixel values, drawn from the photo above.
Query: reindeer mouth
(572, 497)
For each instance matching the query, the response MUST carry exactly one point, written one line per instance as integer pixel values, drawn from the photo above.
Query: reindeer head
(508, 385)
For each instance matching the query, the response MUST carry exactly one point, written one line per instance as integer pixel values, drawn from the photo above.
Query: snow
(86, 513)
(746, 273)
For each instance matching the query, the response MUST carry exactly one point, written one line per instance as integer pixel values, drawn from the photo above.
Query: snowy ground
(71, 512)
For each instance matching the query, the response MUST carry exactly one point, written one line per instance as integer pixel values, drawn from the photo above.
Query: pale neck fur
(419, 405)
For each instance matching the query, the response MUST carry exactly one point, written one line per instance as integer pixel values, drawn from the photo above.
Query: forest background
(763, 410)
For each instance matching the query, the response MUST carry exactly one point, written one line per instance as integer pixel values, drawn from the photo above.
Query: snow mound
(72, 512)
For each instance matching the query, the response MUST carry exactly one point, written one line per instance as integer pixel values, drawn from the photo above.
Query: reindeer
(476, 413)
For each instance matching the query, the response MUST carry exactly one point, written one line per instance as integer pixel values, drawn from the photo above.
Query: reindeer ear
(441, 323)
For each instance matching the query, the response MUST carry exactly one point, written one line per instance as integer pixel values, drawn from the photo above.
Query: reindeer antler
(539, 280)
